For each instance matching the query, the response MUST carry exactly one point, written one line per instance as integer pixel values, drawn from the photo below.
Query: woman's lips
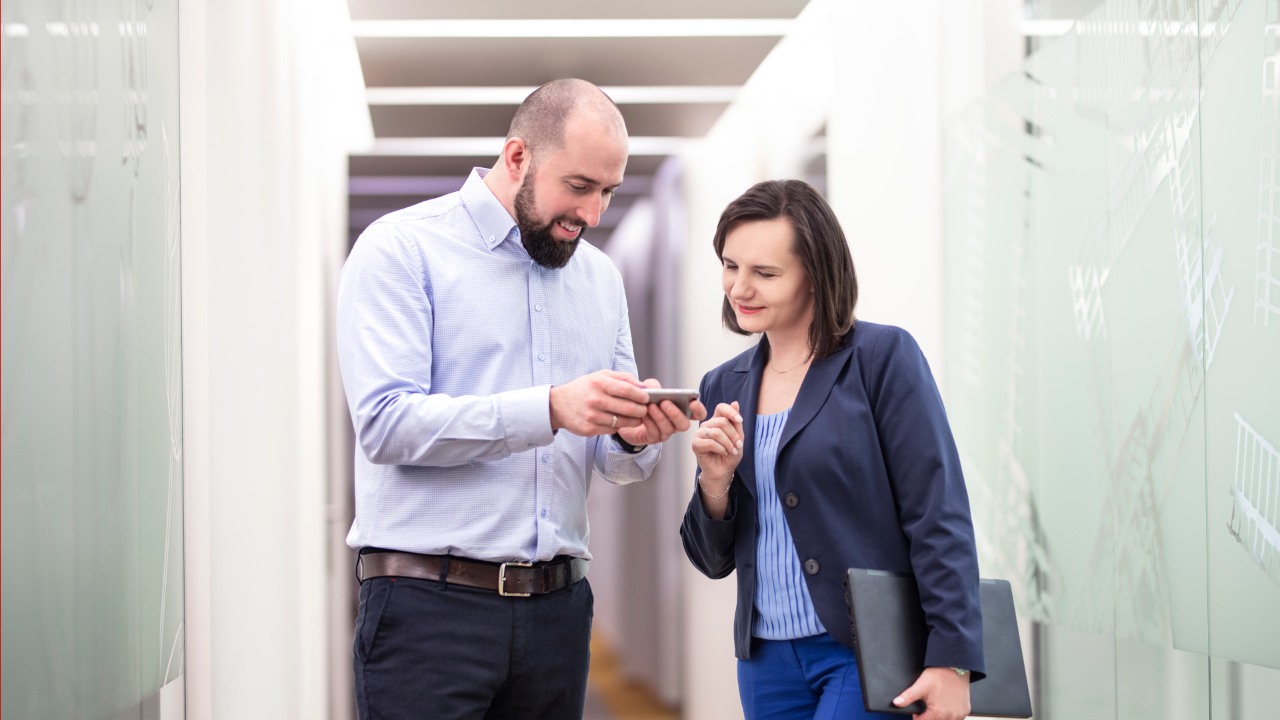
(748, 310)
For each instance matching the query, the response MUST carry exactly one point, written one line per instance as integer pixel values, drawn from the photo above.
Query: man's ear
(515, 158)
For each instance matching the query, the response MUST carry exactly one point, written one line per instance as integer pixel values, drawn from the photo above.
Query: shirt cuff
(526, 417)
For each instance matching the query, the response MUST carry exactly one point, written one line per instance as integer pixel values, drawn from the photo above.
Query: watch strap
(626, 446)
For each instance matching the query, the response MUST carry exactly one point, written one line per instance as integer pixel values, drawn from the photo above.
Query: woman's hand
(945, 694)
(718, 444)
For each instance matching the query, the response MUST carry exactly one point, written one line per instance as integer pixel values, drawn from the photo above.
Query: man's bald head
(541, 119)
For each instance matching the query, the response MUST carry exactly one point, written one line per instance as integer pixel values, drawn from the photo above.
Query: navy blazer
(869, 477)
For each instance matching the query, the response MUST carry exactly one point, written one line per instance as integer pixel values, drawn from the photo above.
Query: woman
(829, 449)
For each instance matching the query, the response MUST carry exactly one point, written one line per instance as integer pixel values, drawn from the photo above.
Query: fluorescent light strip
(491, 146)
(1045, 28)
(573, 28)
(375, 185)
(381, 185)
(622, 95)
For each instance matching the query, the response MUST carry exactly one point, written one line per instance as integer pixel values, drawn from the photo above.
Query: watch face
(960, 671)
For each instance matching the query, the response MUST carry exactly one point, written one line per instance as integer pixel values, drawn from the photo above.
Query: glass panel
(1241, 343)
(92, 434)
(1113, 316)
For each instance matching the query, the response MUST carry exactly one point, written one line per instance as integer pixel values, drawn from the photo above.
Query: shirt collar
(492, 219)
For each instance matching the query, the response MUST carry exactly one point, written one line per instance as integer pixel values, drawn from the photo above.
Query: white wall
(884, 168)
(264, 197)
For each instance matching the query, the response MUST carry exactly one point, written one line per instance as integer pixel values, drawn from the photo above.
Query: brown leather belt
(510, 579)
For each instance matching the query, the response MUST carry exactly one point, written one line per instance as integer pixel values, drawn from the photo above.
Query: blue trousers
(813, 678)
(424, 649)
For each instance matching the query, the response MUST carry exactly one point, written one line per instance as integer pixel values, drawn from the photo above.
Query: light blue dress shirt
(449, 340)
(784, 610)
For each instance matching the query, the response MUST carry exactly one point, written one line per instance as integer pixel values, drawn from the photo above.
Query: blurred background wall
(1071, 204)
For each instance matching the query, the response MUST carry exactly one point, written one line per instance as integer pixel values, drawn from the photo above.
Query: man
(487, 361)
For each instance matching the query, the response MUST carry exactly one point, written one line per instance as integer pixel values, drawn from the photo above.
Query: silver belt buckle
(502, 579)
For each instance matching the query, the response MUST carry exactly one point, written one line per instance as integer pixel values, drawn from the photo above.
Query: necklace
(793, 367)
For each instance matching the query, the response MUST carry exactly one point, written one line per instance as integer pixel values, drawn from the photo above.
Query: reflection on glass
(1112, 268)
(93, 607)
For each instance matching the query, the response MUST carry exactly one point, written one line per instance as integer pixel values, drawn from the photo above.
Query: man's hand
(601, 403)
(945, 694)
(661, 420)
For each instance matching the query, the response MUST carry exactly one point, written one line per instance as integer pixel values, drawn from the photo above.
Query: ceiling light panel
(561, 28)
(622, 95)
(481, 146)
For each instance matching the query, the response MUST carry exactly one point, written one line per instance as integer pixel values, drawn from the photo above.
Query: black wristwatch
(633, 449)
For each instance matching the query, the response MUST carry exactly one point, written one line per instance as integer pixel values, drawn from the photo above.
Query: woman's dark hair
(819, 243)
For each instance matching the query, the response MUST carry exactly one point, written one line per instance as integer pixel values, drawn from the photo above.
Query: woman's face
(763, 278)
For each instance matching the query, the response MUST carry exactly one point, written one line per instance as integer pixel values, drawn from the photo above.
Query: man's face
(569, 189)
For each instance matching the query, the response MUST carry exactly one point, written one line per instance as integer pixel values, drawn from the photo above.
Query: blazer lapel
(747, 374)
(814, 391)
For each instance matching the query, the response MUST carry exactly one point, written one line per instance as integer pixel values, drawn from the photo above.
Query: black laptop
(889, 636)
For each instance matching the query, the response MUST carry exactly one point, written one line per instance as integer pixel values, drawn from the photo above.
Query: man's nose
(592, 210)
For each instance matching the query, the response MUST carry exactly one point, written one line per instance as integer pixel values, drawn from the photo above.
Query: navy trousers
(813, 678)
(424, 649)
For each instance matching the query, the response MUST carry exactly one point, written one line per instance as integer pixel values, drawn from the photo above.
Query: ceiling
(444, 78)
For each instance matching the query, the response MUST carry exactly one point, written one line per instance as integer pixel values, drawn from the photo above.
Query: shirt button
(537, 308)
(542, 357)
(544, 512)
(546, 457)
(791, 500)
(811, 567)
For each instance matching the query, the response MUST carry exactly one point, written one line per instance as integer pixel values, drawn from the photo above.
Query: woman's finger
(717, 434)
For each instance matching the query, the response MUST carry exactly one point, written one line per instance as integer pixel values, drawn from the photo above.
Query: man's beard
(538, 240)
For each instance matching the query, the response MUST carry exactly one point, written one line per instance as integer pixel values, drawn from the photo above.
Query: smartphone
(680, 396)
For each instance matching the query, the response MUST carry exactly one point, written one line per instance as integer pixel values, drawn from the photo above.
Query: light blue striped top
(449, 340)
(784, 610)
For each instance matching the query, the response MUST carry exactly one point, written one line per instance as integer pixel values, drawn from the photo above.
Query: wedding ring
(614, 424)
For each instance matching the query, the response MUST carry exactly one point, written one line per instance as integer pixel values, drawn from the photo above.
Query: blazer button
(811, 567)
(791, 500)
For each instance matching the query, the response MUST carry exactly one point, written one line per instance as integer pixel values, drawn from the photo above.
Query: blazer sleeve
(709, 543)
(933, 506)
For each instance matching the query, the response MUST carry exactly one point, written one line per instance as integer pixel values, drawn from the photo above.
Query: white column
(884, 161)
(268, 118)
(196, 440)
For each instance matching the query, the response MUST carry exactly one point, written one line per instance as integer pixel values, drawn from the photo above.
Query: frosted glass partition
(92, 434)
(1112, 240)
